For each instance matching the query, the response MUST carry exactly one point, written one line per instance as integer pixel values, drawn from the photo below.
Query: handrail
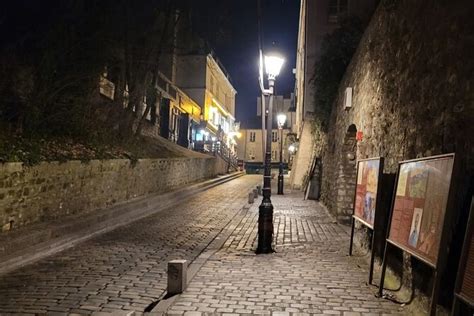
(219, 149)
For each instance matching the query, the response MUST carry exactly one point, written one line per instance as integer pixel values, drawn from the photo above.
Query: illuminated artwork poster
(420, 205)
(366, 190)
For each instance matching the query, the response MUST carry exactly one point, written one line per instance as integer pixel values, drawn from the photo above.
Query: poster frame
(377, 206)
(448, 216)
(458, 296)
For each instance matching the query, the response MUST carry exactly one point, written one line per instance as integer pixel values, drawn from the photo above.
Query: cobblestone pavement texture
(124, 269)
(310, 273)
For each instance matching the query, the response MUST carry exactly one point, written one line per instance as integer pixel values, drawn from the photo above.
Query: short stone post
(259, 189)
(177, 276)
(255, 193)
(251, 197)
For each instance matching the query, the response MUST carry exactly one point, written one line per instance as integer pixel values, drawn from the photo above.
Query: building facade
(207, 83)
(317, 19)
(250, 146)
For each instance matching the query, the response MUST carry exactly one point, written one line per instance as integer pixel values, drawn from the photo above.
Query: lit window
(226, 127)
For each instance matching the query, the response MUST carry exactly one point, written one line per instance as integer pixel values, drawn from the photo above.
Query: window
(252, 137)
(274, 137)
(337, 9)
(215, 117)
(274, 155)
(174, 124)
(251, 155)
(226, 127)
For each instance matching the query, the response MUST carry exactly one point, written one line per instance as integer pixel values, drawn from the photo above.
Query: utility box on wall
(348, 98)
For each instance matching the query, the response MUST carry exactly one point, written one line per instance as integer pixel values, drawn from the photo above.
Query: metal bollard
(255, 193)
(251, 197)
(259, 189)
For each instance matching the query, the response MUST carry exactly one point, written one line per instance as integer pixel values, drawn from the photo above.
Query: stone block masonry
(52, 190)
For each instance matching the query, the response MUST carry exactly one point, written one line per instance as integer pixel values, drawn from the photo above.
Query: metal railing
(220, 149)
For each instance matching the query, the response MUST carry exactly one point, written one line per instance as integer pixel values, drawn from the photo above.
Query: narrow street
(126, 268)
(133, 135)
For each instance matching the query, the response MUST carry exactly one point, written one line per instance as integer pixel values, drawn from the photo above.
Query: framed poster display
(366, 198)
(464, 288)
(419, 209)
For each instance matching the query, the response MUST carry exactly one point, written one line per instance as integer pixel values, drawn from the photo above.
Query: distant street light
(265, 215)
(281, 119)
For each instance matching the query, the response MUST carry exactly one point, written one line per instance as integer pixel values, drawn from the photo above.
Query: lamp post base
(265, 227)
(280, 184)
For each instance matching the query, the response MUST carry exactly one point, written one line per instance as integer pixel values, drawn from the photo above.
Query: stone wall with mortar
(51, 190)
(413, 88)
(413, 96)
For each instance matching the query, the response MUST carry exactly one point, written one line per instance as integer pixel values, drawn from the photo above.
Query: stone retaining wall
(52, 190)
(413, 92)
(413, 96)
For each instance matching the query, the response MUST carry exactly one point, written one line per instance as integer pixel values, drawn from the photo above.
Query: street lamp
(281, 119)
(273, 65)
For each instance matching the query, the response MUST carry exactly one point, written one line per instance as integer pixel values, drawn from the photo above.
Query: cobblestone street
(310, 273)
(268, 157)
(126, 268)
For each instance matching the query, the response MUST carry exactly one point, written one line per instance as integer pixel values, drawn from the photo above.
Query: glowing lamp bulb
(273, 65)
(281, 119)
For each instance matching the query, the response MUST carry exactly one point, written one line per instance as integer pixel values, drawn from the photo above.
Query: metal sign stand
(459, 297)
(441, 259)
(354, 218)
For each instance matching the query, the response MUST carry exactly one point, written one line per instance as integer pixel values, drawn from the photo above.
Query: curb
(59, 237)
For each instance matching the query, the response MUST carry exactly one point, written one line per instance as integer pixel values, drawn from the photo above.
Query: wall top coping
(10, 167)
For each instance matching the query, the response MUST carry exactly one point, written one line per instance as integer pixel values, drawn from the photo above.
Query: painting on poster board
(420, 206)
(366, 190)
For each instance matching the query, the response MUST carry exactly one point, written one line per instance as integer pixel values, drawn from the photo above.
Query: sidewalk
(310, 273)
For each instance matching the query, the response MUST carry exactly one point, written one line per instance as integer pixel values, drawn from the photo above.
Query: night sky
(240, 54)
(237, 49)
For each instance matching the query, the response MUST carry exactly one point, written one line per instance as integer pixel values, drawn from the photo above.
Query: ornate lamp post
(281, 119)
(265, 215)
